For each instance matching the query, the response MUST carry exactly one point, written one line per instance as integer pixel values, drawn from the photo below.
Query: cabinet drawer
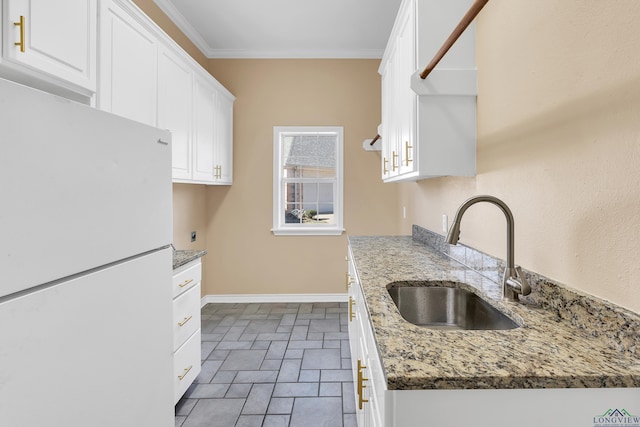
(186, 277)
(186, 365)
(186, 315)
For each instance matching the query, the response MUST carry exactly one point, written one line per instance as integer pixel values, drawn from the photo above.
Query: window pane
(325, 193)
(293, 214)
(293, 193)
(326, 214)
(309, 156)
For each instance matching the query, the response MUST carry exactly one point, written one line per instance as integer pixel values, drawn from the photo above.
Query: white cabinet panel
(175, 92)
(186, 365)
(128, 66)
(108, 329)
(56, 41)
(186, 316)
(185, 277)
(204, 108)
(224, 140)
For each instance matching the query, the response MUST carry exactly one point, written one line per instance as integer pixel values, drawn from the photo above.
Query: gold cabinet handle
(385, 162)
(185, 283)
(394, 156)
(21, 25)
(361, 386)
(407, 147)
(184, 321)
(349, 281)
(351, 313)
(184, 373)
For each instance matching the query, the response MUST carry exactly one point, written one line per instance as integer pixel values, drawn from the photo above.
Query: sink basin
(447, 308)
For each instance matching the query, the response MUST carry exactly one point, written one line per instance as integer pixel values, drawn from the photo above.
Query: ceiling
(285, 28)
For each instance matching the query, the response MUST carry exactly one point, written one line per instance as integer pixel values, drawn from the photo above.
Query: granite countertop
(182, 257)
(544, 352)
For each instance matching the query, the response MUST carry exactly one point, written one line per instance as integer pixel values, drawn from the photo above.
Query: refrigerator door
(96, 350)
(80, 188)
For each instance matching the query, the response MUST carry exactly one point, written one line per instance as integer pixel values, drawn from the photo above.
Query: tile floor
(268, 365)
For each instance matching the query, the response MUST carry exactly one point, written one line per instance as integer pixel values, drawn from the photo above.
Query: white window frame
(280, 227)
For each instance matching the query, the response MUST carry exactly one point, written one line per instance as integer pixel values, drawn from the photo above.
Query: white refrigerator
(85, 265)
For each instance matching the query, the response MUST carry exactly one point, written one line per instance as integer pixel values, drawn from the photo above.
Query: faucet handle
(525, 289)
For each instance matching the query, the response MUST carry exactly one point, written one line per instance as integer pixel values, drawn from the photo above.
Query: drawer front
(186, 277)
(186, 315)
(186, 365)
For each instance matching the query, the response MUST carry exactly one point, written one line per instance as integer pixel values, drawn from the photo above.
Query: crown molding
(181, 22)
(196, 38)
(295, 54)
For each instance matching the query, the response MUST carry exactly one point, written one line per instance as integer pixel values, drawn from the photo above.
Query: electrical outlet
(445, 223)
(404, 212)
(193, 236)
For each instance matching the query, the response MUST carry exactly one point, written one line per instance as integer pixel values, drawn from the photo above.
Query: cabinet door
(57, 38)
(204, 132)
(224, 140)
(406, 97)
(175, 86)
(128, 66)
(390, 115)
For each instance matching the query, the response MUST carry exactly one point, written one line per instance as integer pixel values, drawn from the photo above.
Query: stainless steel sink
(447, 308)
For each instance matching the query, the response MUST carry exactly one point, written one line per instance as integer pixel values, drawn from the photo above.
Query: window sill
(307, 231)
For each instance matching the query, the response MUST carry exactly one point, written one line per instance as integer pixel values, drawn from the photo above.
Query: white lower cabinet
(186, 326)
(368, 376)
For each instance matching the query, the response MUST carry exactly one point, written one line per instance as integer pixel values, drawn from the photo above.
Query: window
(307, 180)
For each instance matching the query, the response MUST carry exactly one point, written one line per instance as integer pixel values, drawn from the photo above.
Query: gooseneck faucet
(513, 281)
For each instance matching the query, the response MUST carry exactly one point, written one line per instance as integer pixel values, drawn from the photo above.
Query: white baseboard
(266, 298)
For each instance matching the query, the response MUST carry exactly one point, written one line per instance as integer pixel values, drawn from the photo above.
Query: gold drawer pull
(186, 319)
(349, 281)
(184, 374)
(407, 147)
(361, 386)
(185, 283)
(21, 25)
(351, 313)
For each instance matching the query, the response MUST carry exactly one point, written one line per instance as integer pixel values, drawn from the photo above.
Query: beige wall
(244, 256)
(558, 140)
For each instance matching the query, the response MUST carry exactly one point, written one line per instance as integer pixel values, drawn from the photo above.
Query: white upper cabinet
(428, 126)
(128, 65)
(175, 92)
(204, 104)
(145, 76)
(223, 158)
(210, 150)
(51, 45)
